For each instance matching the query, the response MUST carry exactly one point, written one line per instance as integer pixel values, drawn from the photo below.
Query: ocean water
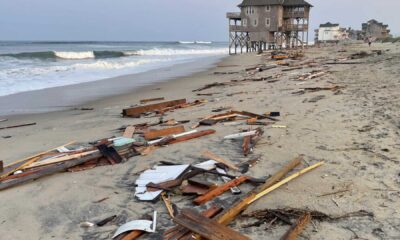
(27, 66)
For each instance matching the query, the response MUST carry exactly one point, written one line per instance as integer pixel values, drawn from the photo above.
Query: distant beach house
(375, 30)
(268, 24)
(330, 32)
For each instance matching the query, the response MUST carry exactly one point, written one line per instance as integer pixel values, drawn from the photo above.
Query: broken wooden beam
(154, 134)
(137, 111)
(230, 214)
(143, 101)
(212, 156)
(49, 171)
(205, 227)
(17, 126)
(219, 190)
(297, 228)
(191, 136)
(179, 232)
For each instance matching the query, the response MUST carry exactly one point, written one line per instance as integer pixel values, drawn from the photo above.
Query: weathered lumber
(154, 134)
(219, 190)
(137, 111)
(179, 232)
(49, 171)
(205, 227)
(212, 156)
(284, 181)
(151, 100)
(15, 166)
(58, 159)
(17, 126)
(297, 228)
(129, 131)
(230, 214)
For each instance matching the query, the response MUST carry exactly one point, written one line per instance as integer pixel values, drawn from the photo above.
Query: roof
(328, 24)
(289, 3)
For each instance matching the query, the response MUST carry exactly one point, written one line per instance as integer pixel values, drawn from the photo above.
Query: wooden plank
(154, 134)
(17, 126)
(219, 190)
(297, 228)
(129, 131)
(179, 232)
(205, 227)
(58, 159)
(284, 181)
(136, 111)
(229, 215)
(1, 166)
(133, 235)
(212, 156)
(48, 171)
(192, 136)
(20, 162)
(143, 101)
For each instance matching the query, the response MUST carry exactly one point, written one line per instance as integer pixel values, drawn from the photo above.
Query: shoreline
(347, 117)
(86, 93)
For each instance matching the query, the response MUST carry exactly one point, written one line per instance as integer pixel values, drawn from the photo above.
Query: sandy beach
(354, 129)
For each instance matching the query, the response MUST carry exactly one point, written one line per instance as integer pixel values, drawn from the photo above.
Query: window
(268, 8)
(267, 22)
(255, 23)
(245, 22)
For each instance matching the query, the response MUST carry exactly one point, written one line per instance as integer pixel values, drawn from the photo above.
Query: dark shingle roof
(289, 3)
(328, 24)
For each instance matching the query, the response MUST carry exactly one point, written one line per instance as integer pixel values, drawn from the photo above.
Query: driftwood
(17, 126)
(211, 85)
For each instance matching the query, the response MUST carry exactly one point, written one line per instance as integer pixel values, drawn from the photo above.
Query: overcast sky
(161, 20)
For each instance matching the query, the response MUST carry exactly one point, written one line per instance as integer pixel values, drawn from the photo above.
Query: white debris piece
(173, 136)
(207, 165)
(241, 135)
(156, 175)
(141, 225)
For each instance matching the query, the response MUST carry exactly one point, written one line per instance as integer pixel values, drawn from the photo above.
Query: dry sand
(355, 131)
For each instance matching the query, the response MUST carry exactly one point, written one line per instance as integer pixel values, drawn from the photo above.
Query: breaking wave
(113, 54)
(69, 55)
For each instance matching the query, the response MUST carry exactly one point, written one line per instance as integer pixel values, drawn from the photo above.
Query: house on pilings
(269, 24)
